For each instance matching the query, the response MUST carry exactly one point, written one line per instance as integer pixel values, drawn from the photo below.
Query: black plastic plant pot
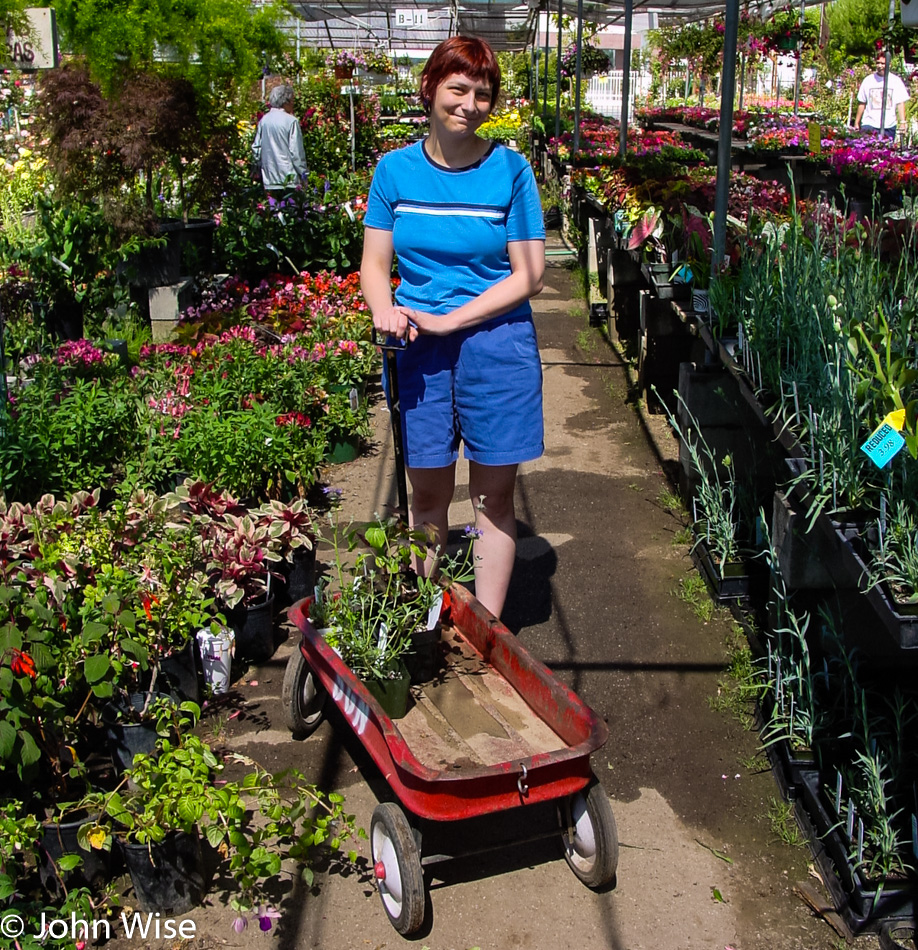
(59, 838)
(180, 673)
(727, 586)
(168, 875)
(253, 626)
(299, 576)
(423, 662)
(127, 737)
(599, 314)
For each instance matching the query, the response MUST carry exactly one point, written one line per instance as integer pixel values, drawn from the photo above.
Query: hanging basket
(344, 72)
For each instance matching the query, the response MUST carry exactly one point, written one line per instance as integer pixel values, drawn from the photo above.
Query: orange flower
(22, 664)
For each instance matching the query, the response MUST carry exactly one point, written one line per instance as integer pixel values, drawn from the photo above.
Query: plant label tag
(814, 130)
(433, 615)
(883, 445)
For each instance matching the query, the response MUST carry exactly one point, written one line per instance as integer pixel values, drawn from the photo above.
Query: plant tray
(671, 290)
(900, 621)
(733, 586)
(864, 906)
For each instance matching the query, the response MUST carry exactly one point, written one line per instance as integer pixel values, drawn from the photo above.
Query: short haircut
(279, 96)
(466, 55)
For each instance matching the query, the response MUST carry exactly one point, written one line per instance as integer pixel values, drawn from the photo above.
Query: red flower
(22, 664)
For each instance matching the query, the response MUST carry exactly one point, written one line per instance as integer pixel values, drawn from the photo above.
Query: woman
(464, 217)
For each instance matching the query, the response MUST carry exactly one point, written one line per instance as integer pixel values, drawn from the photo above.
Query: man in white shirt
(870, 102)
(278, 145)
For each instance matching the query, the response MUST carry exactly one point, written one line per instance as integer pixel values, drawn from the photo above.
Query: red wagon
(495, 730)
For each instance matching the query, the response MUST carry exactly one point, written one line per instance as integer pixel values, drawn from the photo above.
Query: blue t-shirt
(450, 226)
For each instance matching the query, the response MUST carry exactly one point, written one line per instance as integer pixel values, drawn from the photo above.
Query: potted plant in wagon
(384, 610)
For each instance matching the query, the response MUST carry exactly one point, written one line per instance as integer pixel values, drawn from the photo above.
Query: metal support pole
(742, 80)
(725, 142)
(892, 16)
(353, 133)
(558, 74)
(798, 72)
(533, 87)
(575, 147)
(545, 95)
(626, 79)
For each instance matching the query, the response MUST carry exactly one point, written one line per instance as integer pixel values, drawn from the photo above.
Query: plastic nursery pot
(392, 694)
(127, 738)
(423, 662)
(168, 875)
(59, 838)
(253, 626)
(343, 447)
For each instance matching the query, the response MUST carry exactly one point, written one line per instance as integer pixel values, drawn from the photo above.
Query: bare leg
(495, 518)
(431, 493)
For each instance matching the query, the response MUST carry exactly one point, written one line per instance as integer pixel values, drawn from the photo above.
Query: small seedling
(694, 592)
(670, 501)
(783, 824)
(682, 536)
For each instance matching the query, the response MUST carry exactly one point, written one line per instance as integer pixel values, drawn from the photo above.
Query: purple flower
(239, 924)
(471, 532)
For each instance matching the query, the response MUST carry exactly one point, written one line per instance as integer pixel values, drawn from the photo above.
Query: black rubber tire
(402, 892)
(898, 936)
(592, 850)
(303, 697)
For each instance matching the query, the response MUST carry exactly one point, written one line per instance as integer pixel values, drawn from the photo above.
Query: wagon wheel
(397, 866)
(303, 698)
(590, 838)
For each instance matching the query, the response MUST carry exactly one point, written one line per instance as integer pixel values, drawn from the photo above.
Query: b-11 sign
(410, 17)
(36, 48)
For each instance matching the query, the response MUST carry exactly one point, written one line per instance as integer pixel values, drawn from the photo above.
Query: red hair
(465, 55)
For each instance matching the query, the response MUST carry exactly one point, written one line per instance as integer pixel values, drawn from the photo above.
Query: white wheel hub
(581, 845)
(390, 886)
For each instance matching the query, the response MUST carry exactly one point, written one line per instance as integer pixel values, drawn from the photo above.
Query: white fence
(604, 92)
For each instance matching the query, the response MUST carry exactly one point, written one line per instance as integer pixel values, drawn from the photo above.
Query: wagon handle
(521, 785)
(390, 348)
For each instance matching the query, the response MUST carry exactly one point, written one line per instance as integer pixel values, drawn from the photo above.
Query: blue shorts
(482, 386)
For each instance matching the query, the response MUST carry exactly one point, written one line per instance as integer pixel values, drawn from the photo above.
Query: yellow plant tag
(815, 134)
(896, 420)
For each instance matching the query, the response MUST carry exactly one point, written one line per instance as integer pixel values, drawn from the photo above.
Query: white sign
(37, 48)
(410, 17)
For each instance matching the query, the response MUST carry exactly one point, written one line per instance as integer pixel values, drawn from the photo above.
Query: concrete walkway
(593, 595)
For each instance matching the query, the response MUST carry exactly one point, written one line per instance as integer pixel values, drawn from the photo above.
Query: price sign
(885, 442)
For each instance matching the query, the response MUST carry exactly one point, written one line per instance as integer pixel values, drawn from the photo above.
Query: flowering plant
(377, 61)
(785, 31)
(344, 58)
(592, 60)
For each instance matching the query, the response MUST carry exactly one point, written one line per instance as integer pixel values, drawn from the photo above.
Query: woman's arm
(376, 284)
(527, 269)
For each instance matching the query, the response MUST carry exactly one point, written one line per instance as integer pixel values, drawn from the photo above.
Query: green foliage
(315, 228)
(216, 44)
(856, 25)
(326, 122)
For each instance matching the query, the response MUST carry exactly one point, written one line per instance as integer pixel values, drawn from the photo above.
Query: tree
(856, 25)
